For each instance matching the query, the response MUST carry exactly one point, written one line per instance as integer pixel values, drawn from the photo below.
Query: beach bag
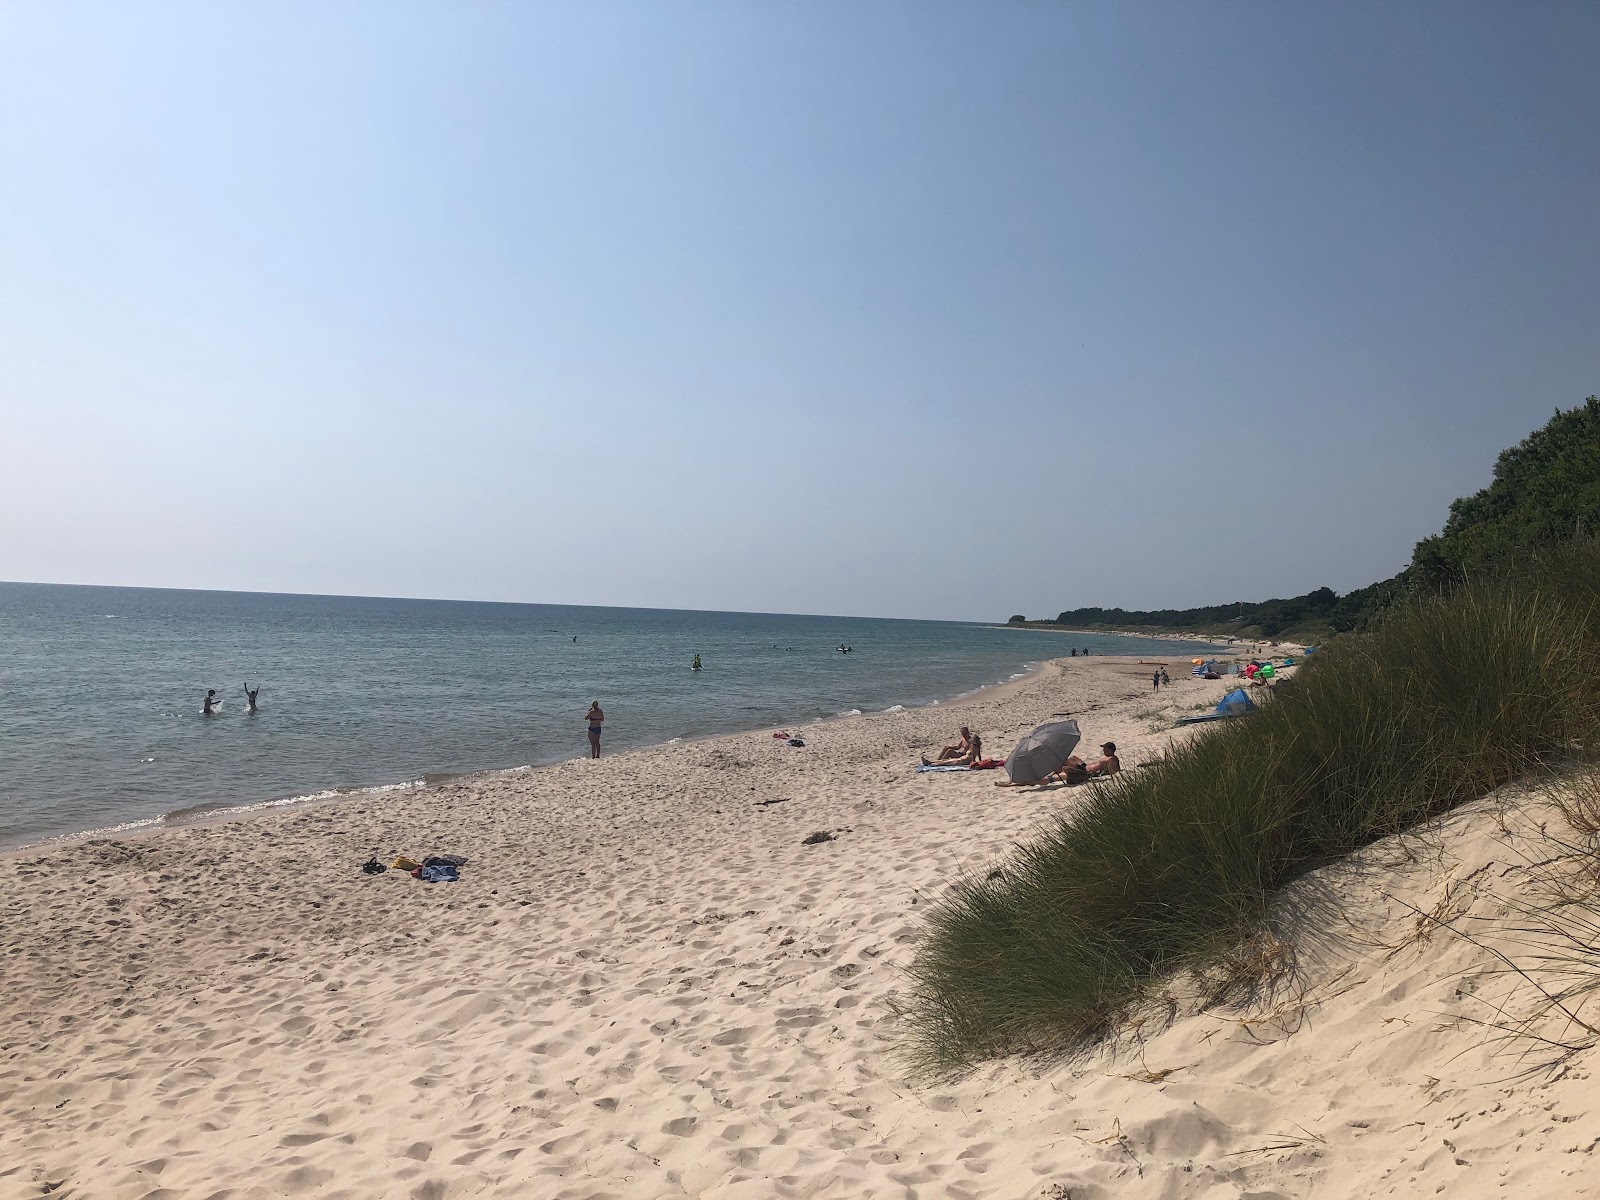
(373, 867)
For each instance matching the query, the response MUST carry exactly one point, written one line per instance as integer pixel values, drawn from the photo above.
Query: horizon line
(140, 587)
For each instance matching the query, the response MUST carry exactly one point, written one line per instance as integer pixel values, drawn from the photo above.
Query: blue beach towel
(443, 873)
(923, 770)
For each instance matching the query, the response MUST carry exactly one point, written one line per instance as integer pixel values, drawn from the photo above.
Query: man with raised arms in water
(250, 696)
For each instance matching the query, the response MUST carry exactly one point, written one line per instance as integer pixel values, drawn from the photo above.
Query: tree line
(1544, 490)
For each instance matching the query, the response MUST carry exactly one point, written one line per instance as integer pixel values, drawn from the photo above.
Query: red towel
(988, 764)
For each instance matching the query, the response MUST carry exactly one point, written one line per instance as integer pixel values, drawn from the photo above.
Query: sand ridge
(647, 985)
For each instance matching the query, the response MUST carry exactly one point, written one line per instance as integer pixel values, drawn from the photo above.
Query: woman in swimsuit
(595, 718)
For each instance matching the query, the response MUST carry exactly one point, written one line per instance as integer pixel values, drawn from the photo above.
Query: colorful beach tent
(1044, 750)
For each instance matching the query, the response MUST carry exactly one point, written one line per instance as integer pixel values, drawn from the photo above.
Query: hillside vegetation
(1478, 664)
(1173, 868)
(1544, 489)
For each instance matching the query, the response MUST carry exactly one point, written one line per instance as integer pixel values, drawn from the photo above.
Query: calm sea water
(101, 688)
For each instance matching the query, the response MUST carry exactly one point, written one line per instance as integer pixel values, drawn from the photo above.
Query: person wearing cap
(1075, 770)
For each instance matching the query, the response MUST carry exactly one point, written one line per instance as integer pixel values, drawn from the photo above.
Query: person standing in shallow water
(209, 708)
(250, 696)
(596, 718)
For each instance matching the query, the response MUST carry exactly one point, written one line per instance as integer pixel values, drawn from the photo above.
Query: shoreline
(224, 812)
(228, 813)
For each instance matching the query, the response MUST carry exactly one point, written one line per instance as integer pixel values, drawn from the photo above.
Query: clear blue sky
(912, 309)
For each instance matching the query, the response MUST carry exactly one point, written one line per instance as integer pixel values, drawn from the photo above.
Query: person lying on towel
(1075, 770)
(963, 754)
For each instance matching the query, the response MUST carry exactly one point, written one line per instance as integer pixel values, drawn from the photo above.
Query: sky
(905, 309)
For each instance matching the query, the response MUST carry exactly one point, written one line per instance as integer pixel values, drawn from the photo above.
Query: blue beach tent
(1234, 704)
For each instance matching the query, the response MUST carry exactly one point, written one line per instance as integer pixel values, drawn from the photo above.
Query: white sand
(646, 986)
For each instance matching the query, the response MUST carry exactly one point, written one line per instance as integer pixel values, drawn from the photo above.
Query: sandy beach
(648, 985)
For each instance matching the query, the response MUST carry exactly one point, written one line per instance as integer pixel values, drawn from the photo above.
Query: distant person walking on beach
(1155, 682)
(209, 708)
(250, 697)
(1166, 680)
(596, 718)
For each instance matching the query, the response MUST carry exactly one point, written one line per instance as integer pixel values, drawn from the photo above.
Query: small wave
(1019, 675)
(672, 741)
(87, 835)
(849, 712)
(179, 816)
(899, 707)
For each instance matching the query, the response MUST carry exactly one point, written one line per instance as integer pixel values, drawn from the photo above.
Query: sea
(101, 690)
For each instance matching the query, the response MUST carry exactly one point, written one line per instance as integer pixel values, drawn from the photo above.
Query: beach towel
(794, 742)
(988, 764)
(405, 864)
(927, 768)
(445, 860)
(444, 873)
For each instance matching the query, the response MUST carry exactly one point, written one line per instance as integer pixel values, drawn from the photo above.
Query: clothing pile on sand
(436, 868)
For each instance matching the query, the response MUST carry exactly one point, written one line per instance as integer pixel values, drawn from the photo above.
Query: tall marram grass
(1173, 867)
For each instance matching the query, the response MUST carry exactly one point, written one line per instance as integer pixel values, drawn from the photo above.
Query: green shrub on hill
(1545, 489)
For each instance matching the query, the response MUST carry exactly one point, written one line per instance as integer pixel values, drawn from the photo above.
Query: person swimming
(209, 708)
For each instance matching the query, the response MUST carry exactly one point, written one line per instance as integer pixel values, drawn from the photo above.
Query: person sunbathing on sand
(963, 754)
(1075, 770)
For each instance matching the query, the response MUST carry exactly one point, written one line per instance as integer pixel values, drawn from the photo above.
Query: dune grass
(1174, 867)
